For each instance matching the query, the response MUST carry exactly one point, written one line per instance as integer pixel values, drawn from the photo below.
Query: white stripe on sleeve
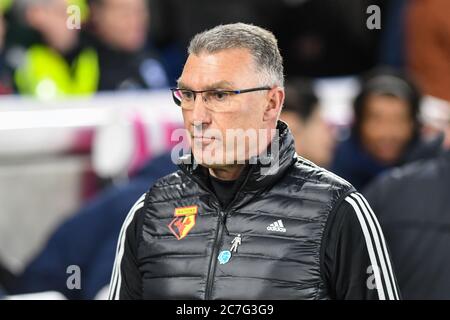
(383, 245)
(376, 255)
(116, 277)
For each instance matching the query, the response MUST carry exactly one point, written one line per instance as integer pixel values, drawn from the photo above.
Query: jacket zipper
(216, 244)
(219, 234)
(218, 240)
(214, 254)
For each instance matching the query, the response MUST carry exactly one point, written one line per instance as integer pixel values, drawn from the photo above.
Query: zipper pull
(223, 219)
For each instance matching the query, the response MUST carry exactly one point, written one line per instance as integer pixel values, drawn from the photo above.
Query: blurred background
(86, 116)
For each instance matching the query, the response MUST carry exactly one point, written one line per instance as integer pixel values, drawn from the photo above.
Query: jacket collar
(262, 171)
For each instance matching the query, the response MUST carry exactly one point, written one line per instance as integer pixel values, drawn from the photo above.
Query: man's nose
(200, 112)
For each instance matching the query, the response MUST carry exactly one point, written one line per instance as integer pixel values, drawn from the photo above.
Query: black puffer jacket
(175, 243)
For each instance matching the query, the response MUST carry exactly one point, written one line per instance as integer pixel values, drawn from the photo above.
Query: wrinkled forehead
(230, 68)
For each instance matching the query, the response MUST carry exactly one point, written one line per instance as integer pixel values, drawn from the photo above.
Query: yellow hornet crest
(184, 221)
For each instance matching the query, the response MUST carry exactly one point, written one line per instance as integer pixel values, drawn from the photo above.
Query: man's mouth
(203, 140)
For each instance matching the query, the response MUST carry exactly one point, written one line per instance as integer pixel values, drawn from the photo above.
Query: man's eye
(187, 95)
(220, 96)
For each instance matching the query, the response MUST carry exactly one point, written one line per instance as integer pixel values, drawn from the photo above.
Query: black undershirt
(224, 189)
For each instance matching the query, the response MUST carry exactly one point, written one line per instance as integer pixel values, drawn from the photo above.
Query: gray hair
(261, 43)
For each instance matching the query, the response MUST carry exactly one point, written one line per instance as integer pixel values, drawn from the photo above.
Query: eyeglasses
(215, 99)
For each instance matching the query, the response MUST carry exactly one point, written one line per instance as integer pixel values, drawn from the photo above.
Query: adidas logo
(277, 226)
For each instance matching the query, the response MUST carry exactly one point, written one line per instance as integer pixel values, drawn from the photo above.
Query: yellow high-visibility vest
(45, 74)
(5, 5)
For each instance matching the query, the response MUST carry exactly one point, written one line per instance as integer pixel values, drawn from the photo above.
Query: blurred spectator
(89, 239)
(174, 22)
(413, 205)
(6, 85)
(185, 20)
(385, 131)
(313, 137)
(119, 29)
(321, 38)
(57, 66)
(428, 45)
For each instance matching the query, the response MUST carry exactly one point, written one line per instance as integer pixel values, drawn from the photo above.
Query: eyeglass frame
(195, 92)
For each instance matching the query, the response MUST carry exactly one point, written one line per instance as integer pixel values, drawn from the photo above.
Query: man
(274, 227)
(314, 139)
(412, 203)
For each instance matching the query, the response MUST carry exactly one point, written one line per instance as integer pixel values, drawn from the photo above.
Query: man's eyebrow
(217, 85)
(220, 85)
(181, 85)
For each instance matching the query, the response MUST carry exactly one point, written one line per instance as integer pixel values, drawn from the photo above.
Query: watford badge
(184, 221)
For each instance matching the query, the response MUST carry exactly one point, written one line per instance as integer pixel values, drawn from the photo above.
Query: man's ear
(274, 104)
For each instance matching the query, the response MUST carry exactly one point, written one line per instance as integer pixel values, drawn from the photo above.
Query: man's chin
(213, 162)
(209, 163)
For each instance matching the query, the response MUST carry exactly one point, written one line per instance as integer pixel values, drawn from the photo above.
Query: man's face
(229, 69)
(122, 24)
(387, 127)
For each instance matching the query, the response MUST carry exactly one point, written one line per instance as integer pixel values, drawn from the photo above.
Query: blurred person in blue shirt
(385, 131)
(413, 206)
